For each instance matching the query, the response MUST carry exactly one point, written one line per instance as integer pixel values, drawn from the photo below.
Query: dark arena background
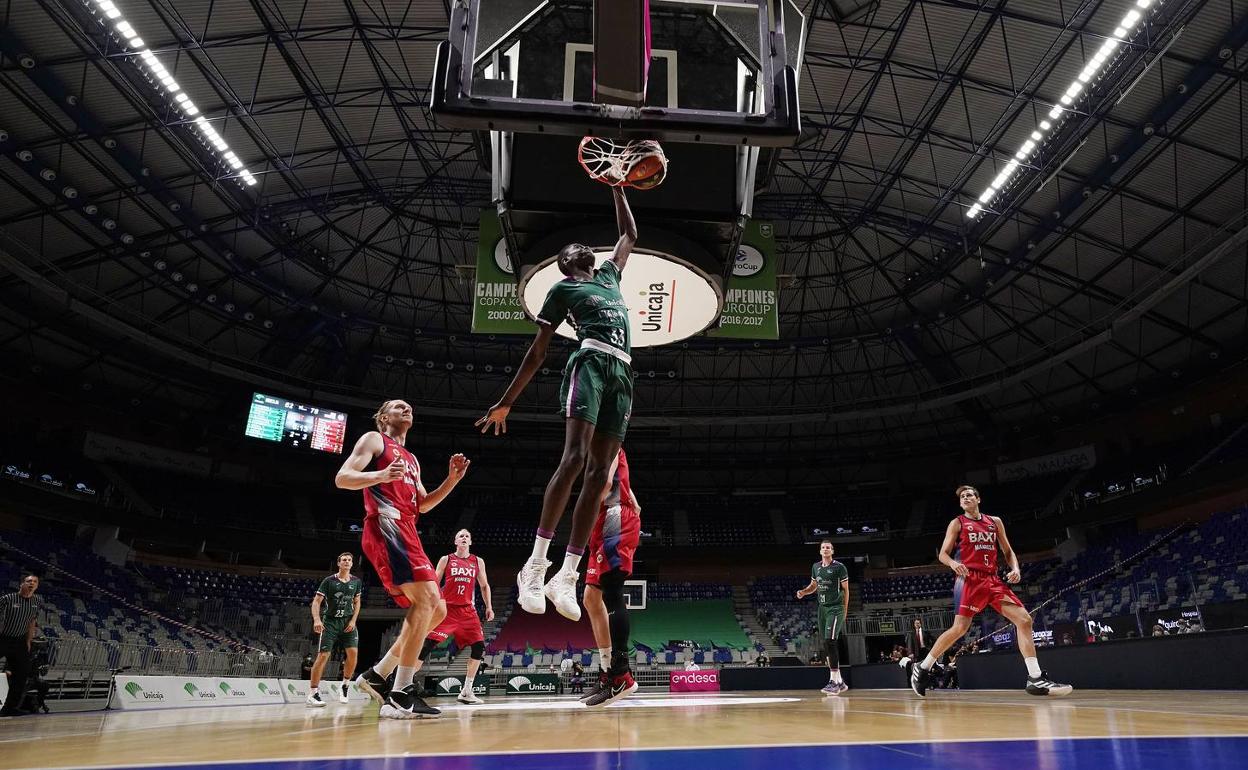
(901, 246)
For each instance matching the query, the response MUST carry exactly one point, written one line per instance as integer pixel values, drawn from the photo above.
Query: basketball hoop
(639, 163)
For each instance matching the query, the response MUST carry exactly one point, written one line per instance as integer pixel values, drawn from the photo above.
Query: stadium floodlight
(1108, 49)
(125, 28)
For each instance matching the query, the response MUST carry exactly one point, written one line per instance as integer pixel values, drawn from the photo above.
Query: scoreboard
(296, 425)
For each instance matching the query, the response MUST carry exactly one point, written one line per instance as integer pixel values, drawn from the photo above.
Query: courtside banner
(295, 690)
(751, 310)
(332, 689)
(157, 692)
(533, 684)
(695, 681)
(452, 685)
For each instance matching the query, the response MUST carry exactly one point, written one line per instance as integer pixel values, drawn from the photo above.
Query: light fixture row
(1107, 52)
(210, 135)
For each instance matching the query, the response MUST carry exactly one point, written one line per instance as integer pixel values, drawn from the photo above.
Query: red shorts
(979, 591)
(613, 543)
(393, 547)
(461, 622)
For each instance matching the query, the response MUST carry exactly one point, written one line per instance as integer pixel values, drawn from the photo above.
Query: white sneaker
(561, 590)
(314, 700)
(529, 582)
(342, 696)
(469, 697)
(390, 712)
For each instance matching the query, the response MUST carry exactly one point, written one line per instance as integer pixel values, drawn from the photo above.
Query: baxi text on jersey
(463, 572)
(981, 537)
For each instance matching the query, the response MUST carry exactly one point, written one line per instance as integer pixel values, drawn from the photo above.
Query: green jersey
(339, 603)
(828, 580)
(595, 307)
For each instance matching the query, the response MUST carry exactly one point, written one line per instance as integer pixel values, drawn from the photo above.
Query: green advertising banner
(496, 307)
(750, 307)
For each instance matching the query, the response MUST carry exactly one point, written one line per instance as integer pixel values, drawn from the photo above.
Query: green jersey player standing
(335, 609)
(596, 400)
(830, 579)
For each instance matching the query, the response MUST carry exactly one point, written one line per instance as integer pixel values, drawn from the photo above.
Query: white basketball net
(611, 162)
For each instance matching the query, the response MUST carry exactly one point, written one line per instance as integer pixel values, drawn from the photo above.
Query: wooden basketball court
(877, 728)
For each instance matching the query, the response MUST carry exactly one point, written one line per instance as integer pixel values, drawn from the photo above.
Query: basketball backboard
(719, 72)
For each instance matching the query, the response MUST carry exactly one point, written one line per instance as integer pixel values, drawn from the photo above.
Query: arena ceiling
(135, 260)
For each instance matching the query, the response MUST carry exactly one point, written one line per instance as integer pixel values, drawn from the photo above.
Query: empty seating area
(1207, 564)
(711, 524)
(787, 618)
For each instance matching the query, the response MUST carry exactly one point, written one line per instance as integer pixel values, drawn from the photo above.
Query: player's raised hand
(960, 569)
(458, 466)
(1013, 576)
(394, 471)
(496, 417)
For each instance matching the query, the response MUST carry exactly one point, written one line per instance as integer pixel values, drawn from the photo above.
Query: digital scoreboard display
(296, 425)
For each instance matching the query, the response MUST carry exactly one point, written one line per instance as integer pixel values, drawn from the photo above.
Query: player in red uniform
(612, 545)
(394, 498)
(978, 586)
(463, 572)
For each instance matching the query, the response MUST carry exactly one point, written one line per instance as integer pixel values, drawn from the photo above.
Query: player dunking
(394, 498)
(830, 579)
(596, 400)
(978, 587)
(463, 572)
(335, 622)
(617, 533)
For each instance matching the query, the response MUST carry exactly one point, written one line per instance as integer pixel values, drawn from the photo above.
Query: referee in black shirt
(18, 612)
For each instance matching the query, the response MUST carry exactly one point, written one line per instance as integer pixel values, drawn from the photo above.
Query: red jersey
(620, 493)
(460, 580)
(977, 543)
(394, 499)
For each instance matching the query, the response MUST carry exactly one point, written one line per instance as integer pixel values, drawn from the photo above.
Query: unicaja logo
(518, 682)
(195, 692)
(451, 684)
(138, 692)
(226, 689)
(657, 307)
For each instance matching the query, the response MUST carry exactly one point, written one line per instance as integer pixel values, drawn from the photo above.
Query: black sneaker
(620, 686)
(919, 679)
(604, 681)
(1043, 685)
(410, 705)
(376, 685)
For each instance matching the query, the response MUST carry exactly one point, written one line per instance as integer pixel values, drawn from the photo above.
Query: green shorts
(831, 622)
(597, 388)
(335, 635)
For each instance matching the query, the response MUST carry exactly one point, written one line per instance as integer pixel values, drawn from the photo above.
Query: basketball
(640, 163)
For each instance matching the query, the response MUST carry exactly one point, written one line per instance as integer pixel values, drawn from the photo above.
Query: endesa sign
(695, 681)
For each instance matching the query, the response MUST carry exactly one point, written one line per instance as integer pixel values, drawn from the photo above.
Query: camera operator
(18, 612)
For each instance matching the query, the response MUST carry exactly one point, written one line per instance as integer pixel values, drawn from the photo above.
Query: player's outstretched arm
(627, 227)
(946, 548)
(456, 469)
(440, 570)
(808, 590)
(845, 596)
(496, 417)
(354, 474)
(1015, 574)
(486, 597)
